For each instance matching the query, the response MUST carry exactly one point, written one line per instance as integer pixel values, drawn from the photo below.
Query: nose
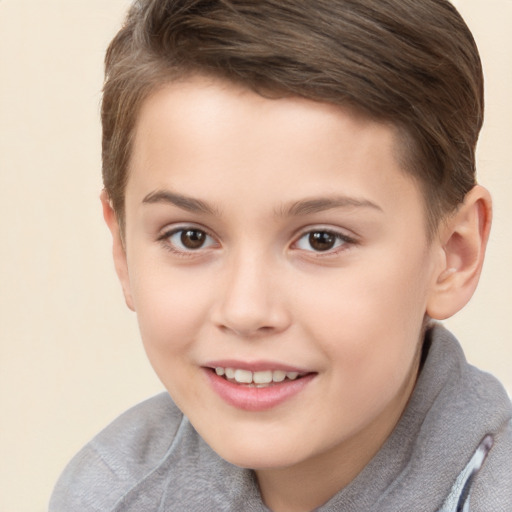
(250, 302)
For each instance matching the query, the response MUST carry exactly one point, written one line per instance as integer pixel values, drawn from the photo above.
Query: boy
(291, 192)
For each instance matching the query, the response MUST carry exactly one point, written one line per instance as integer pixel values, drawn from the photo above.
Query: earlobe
(463, 239)
(118, 248)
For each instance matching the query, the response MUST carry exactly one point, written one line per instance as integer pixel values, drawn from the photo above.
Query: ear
(118, 249)
(463, 239)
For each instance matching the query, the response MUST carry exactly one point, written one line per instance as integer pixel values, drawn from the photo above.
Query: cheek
(169, 314)
(169, 306)
(371, 299)
(368, 320)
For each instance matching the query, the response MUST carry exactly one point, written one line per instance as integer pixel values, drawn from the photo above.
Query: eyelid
(165, 234)
(348, 240)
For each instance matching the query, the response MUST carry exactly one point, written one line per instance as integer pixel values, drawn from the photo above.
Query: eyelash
(346, 241)
(164, 239)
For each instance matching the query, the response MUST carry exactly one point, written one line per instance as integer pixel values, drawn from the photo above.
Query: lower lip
(256, 399)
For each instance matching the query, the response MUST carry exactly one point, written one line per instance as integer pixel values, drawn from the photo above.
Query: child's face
(276, 236)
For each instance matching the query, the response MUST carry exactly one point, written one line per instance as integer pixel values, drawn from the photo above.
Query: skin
(256, 176)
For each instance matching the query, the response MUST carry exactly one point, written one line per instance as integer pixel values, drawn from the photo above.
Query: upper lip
(254, 366)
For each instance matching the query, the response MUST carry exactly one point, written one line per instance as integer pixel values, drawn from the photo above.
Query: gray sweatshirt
(450, 452)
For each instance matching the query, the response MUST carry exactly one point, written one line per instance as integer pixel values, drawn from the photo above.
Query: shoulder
(118, 457)
(470, 408)
(492, 489)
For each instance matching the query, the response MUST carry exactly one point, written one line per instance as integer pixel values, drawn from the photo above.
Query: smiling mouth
(258, 379)
(257, 389)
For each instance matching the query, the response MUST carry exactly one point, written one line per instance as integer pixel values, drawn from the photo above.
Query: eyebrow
(315, 205)
(297, 208)
(185, 203)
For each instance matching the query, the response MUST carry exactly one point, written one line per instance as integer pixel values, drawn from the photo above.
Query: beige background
(70, 358)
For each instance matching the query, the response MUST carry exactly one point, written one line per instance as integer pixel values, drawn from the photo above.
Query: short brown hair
(412, 63)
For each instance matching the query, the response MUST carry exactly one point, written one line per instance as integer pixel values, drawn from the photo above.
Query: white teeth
(243, 376)
(260, 378)
(278, 375)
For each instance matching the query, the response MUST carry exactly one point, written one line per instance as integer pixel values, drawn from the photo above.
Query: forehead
(225, 108)
(214, 139)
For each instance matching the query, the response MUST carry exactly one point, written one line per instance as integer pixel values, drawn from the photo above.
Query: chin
(262, 455)
(259, 462)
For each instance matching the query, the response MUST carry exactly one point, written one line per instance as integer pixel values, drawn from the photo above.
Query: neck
(304, 488)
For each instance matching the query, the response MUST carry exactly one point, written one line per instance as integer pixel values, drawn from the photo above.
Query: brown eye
(322, 240)
(193, 238)
(187, 240)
